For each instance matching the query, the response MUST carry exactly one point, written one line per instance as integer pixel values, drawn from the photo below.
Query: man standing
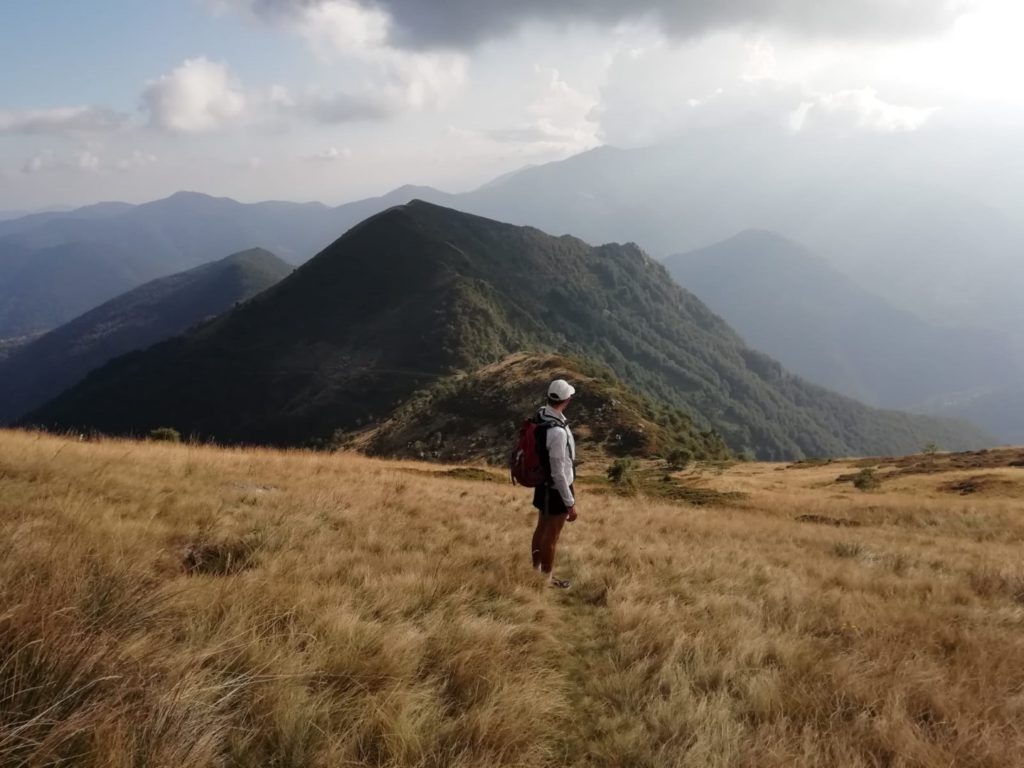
(554, 499)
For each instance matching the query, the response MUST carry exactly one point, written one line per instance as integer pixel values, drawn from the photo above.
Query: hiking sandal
(560, 583)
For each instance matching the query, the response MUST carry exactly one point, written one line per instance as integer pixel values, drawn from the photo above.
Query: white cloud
(200, 95)
(86, 160)
(327, 25)
(89, 159)
(332, 155)
(798, 117)
(248, 164)
(761, 63)
(60, 121)
(558, 120)
(419, 24)
(861, 107)
(425, 81)
(353, 36)
(343, 107)
(137, 159)
(401, 83)
(670, 90)
(203, 96)
(728, 81)
(343, 26)
(43, 160)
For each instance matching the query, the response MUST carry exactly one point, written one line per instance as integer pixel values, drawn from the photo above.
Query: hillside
(473, 416)
(9, 346)
(821, 325)
(59, 266)
(45, 287)
(162, 308)
(24, 221)
(421, 292)
(181, 231)
(1000, 412)
(894, 220)
(191, 606)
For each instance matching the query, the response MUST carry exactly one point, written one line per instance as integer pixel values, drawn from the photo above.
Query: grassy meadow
(176, 605)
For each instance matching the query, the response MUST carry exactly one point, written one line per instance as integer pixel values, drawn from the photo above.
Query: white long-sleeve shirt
(562, 453)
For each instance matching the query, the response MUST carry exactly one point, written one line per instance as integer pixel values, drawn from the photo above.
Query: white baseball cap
(560, 390)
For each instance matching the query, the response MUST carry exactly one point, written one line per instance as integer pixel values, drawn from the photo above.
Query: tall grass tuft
(166, 604)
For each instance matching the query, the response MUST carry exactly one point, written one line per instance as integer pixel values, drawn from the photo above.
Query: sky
(334, 100)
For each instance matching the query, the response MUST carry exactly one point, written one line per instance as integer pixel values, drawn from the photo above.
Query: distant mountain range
(419, 293)
(870, 210)
(54, 266)
(1001, 412)
(822, 325)
(39, 370)
(43, 287)
(885, 216)
(941, 268)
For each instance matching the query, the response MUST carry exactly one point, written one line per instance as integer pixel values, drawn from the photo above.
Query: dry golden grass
(176, 605)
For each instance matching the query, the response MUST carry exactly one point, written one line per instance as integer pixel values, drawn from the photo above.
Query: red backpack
(528, 465)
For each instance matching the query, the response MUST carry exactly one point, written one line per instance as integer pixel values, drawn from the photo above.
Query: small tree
(621, 472)
(678, 459)
(866, 480)
(165, 435)
(930, 449)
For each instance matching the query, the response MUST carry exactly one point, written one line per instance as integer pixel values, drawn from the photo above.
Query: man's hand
(572, 513)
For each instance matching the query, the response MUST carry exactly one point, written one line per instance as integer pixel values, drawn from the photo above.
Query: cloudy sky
(336, 99)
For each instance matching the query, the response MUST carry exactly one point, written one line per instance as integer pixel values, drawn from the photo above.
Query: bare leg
(538, 541)
(549, 541)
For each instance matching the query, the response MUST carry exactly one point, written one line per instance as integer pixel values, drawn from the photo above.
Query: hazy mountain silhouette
(27, 221)
(183, 230)
(54, 266)
(822, 325)
(872, 209)
(165, 307)
(1001, 412)
(47, 286)
(420, 292)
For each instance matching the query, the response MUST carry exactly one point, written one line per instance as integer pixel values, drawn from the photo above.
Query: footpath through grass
(173, 605)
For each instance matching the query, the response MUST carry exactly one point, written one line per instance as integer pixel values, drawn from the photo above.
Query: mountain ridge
(473, 415)
(127, 245)
(795, 306)
(154, 311)
(330, 347)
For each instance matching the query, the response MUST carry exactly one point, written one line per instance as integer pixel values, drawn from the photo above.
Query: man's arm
(561, 465)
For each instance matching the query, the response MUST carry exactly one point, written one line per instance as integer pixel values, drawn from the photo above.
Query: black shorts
(549, 501)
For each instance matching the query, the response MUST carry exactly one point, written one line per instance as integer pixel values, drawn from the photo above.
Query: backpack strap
(541, 433)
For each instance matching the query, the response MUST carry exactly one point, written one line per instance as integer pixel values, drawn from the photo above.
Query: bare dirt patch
(460, 473)
(930, 464)
(837, 522)
(980, 484)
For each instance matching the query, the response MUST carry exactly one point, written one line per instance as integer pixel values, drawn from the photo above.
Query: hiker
(554, 498)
